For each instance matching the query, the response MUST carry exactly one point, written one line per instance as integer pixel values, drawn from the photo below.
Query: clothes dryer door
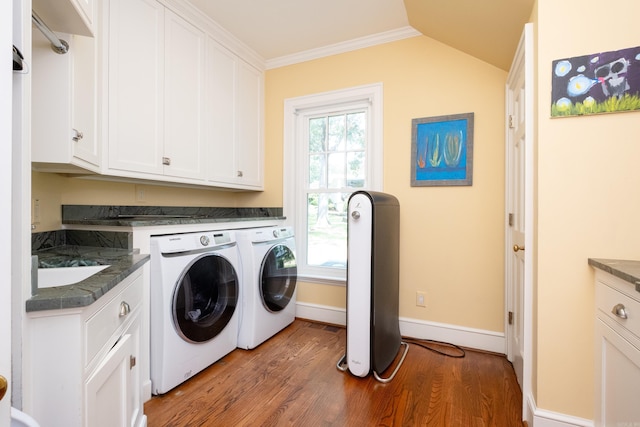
(205, 298)
(278, 277)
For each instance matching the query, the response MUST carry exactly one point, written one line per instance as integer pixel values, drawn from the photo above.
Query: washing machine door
(278, 276)
(205, 298)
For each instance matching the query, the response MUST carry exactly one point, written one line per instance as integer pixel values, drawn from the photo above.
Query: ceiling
(488, 29)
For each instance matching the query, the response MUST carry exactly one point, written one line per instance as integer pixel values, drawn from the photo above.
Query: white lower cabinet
(617, 352)
(84, 362)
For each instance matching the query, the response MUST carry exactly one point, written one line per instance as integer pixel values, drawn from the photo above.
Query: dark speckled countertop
(146, 216)
(627, 270)
(55, 248)
(121, 263)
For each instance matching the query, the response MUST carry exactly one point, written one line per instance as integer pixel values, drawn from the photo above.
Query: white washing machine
(270, 273)
(195, 290)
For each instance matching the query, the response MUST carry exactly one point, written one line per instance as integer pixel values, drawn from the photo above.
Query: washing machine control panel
(204, 240)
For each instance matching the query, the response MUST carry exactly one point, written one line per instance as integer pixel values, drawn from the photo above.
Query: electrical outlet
(140, 193)
(35, 211)
(420, 299)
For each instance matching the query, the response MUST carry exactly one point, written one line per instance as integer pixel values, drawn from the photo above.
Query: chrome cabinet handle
(620, 311)
(240, 174)
(124, 309)
(166, 161)
(79, 135)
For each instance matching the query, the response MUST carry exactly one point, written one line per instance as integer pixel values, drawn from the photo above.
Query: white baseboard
(466, 337)
(321, 313)
(544, 418)
(146, 390)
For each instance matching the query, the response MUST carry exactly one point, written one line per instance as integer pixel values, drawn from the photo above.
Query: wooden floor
(292, 380)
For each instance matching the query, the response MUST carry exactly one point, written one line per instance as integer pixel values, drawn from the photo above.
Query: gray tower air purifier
(373, 254)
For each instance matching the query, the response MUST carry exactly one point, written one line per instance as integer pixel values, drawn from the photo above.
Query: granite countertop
(627, 270)
(122, 263)
(148, 216)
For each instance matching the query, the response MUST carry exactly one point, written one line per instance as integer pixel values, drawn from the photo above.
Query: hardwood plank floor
(292, 380)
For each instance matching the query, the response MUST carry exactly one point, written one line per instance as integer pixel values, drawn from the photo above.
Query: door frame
(524, 58)
(6, 189)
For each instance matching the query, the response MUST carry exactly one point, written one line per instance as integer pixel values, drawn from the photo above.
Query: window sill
(322, 280)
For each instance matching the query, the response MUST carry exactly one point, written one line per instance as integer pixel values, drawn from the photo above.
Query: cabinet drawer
(101, 328)
(608, 297)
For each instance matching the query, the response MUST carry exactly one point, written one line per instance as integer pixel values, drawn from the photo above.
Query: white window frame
(295, 174)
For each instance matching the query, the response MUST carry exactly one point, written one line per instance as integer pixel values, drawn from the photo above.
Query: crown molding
(348, 46)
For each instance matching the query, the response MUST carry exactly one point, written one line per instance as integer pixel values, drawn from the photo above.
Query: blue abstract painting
(442, 150)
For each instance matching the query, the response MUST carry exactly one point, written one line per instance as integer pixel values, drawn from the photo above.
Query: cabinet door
(221, 111)
(51, 109)
(63, 91)
(184, 98)
(68, 16)
(234, 94)
(84, 138)
(249, 144)
(135, 403)
(85, 9)
(108, 390)
(617, 378)
(136, 85)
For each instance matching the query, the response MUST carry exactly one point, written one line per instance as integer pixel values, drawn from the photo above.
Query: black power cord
(458, 352)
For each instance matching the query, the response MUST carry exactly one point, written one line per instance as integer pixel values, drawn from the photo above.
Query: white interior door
(519, 205)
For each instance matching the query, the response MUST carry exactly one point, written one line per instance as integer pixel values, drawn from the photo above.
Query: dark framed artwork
(442, 151)
(604, 82)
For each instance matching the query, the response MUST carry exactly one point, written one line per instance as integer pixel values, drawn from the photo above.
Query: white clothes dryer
(195, 289)
(268, 291)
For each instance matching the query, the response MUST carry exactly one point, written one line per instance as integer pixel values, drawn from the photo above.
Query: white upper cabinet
(160, 93)
(67, 16)
(136, 86)
(156, 101)
(234, 103)
(184, 137)
(63, 116)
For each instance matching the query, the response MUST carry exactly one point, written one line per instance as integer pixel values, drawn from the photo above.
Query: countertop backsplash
(107, 239)
(161, 215)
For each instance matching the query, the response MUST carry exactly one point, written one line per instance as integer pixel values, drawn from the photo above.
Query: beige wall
(588, 199)
(452, 238)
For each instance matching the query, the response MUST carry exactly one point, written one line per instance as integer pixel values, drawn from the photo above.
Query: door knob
(3, 386)
(517, 248)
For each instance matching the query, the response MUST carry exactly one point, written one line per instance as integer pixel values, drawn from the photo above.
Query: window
(333, 147)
